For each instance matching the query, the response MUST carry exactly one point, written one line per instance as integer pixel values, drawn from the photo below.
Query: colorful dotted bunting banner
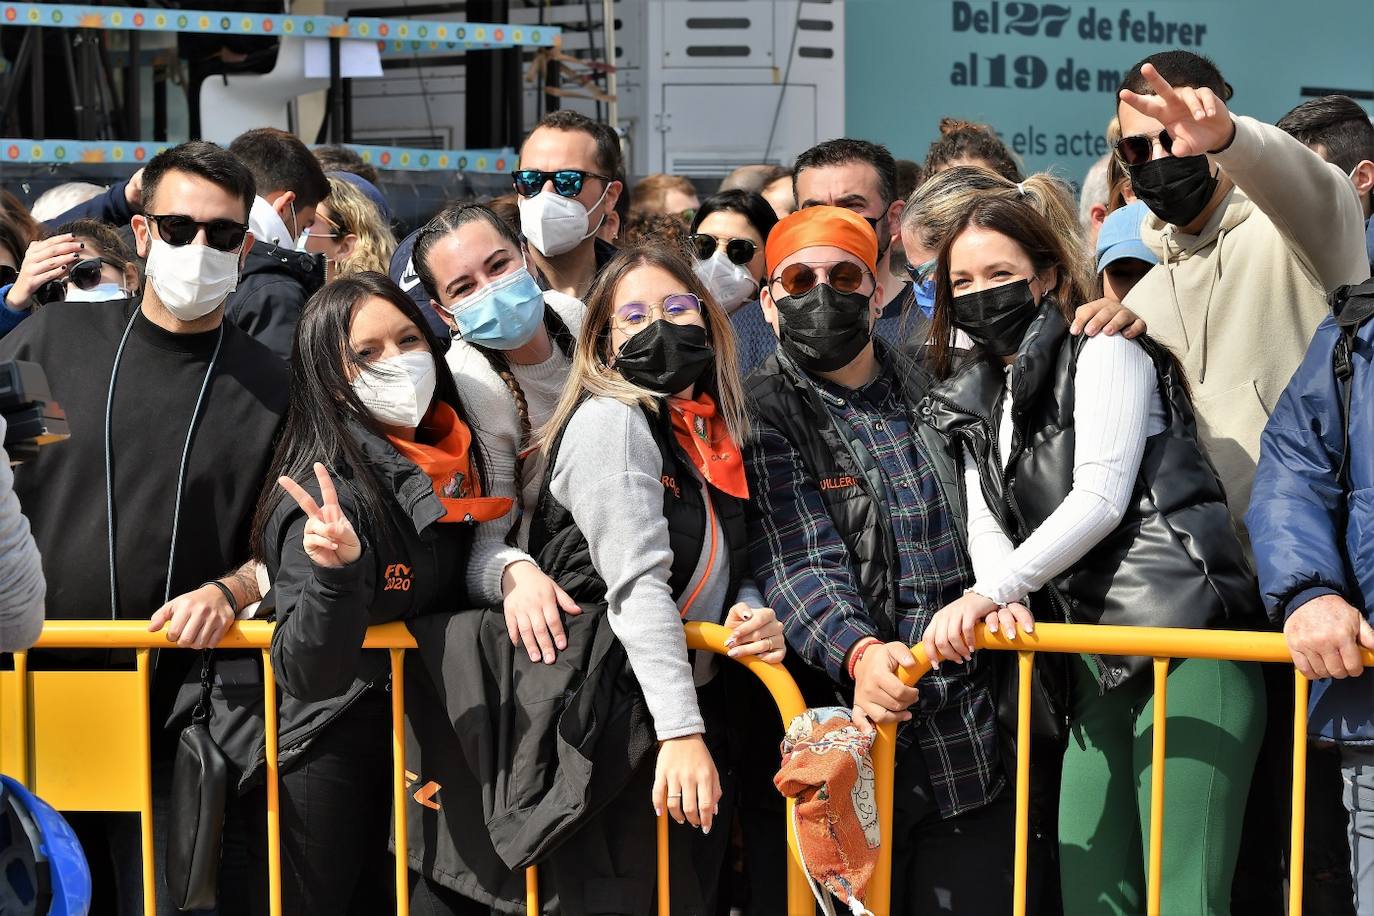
(52, 152)
(406, 35)
(441, 160)
(58, 151)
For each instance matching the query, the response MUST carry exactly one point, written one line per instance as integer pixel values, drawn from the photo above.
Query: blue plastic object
(43, 870)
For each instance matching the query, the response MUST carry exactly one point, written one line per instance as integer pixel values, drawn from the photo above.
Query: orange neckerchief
(704, 437)
(444, 457)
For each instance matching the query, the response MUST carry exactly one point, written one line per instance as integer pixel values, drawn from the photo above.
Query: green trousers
(1215, 722)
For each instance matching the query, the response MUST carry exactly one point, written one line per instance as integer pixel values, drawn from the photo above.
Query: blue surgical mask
(923, 286)
(503, 315)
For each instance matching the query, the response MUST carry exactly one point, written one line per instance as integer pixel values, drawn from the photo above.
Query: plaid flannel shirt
(807, 575)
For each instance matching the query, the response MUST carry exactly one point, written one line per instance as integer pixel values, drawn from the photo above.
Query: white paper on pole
(357, 58)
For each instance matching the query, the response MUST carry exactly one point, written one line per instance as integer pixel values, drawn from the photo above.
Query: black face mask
(1175, 189)
(665, 357)
(823, 330)
(997, 318)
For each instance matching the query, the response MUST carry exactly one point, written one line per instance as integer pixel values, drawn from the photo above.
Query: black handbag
(200, 786)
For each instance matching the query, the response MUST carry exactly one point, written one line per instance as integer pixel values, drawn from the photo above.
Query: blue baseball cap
(1120, 237)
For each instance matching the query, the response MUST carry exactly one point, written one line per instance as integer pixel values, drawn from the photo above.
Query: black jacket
(322, 613)
(782, 396)
(272, 290)
(527, 749)
(1175, 559)
(511, 757)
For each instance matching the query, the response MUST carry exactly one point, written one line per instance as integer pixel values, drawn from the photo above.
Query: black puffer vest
(561, 550)
(850, 480)
(1175, 560)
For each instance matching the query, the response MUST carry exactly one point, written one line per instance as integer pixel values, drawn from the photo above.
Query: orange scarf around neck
(440, 450)
(703, 435)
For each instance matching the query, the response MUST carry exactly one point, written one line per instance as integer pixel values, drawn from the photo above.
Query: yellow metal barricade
(1163, 645)
(66, 735)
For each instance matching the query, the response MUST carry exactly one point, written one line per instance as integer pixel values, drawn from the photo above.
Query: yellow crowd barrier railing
(66, 735)
(1163, 645)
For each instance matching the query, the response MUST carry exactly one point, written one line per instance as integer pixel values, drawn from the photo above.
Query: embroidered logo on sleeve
(398, 576)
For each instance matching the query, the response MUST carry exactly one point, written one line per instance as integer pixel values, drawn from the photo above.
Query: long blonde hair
(355, 214)
(592, 374)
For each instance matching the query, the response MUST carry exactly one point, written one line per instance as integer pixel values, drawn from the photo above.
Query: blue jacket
(1304, 545)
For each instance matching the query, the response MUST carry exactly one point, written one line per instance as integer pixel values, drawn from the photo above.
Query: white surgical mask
(730, 284)
(102, 292)
(554, 224)
(193, 280)
(397, 391)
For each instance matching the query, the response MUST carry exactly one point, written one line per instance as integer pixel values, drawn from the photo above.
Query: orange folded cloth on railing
(828, 768)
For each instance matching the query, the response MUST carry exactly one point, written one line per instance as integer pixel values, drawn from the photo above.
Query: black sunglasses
(739, 251)
(84, 274)
(177, 230)
(566, 182)
(1138, 148)
(8, 274)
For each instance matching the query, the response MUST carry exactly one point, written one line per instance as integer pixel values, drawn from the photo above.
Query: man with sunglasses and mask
(855, 544)
(568, 180)
(1253, 230)
(145, 511)
(568, 186)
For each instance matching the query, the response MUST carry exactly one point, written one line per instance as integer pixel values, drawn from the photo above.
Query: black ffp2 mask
(823, 330)
(1176, 189)
(664, 357)
(997, 318)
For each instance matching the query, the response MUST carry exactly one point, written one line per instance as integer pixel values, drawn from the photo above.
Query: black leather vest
(1175, 559)
(560, 548)
(850, 480)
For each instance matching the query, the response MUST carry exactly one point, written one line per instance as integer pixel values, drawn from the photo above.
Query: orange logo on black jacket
(838, 483)
(424, 795)
(398, 577)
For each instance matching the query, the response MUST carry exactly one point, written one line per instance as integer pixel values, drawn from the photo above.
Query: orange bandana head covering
(844, 229)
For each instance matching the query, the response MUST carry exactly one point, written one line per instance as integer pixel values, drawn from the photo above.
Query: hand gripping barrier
(66, 735)
(1163, 645)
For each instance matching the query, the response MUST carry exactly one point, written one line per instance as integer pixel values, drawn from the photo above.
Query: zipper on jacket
(890, 539)
(710, 554)
(260, 756)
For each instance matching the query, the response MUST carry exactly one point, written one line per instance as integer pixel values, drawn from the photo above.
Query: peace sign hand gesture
(1196, 119)
(329, 536)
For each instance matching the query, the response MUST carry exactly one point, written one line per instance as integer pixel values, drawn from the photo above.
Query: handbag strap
(201, 714)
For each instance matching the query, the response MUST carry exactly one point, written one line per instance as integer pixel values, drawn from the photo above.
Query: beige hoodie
(1238, 302)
